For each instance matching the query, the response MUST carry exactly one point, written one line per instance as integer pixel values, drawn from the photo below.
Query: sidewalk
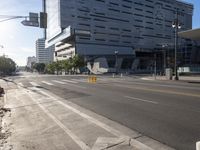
(189, 79)
(4, 129)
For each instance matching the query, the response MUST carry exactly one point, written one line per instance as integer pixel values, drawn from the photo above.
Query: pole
(44, 10)
(155, 66)
(164, 58)
(116, 63)
(164, 61)
(176, 44)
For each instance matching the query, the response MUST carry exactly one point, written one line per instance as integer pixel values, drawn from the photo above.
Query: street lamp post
(164, 57)
(155, 65)
(176, 25)
(116, 62)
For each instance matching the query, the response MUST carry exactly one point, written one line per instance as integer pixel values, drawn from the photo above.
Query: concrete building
(31, 61)
(108, 30)
(194, 64)
(44, 55)
(191, 34)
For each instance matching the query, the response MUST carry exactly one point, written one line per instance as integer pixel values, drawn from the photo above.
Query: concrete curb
(198, 145)
(138, 145)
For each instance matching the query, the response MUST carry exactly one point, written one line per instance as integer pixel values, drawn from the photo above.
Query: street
(166, 111)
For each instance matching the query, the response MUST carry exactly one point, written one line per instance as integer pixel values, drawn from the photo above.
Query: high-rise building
(31, 61)
(110, 32)
(43, 55)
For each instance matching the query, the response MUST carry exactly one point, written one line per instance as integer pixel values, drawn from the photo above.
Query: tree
(7, 66)
(50, 68)
(67, 65)
(78, 62)
(39, 67)
(58, 66)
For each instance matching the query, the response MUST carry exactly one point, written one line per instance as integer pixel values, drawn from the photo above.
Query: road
(167, 111)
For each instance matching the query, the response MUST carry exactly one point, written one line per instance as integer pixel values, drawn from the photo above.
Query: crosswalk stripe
(34, 84)
(45, 82)
(70, 81)
(58, 81)
(80, 80)
(21, 84)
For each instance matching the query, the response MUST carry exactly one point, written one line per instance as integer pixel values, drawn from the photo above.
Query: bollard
(113, 75)
(1, 91)
(121, 75)
(92, 79)
(198, 145)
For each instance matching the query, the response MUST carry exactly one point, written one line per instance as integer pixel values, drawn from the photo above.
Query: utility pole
(176, 25)
(164, 57)
(155, 66)
(116, 61)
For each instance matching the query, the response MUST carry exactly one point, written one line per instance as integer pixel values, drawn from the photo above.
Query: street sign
(29, 23)
(43, 20)
(33, 20)
(33, 17)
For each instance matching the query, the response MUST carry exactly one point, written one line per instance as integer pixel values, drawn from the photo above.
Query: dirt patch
(4, 128)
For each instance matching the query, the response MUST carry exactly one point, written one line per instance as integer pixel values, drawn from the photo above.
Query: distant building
(101, 29)
(31, 61)
(44, 55)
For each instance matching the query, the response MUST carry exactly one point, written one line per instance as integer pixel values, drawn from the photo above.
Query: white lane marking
(89, 118)
(62, 126)
(82, 87)
(173, 86)
(198, 145)
(107, 142)
(34, 84)
(139, 99)
(80, 80)
(58, 81)
(147, 79)
(45, 82)
(70, 81)
(21, 84)
(69, 84)
(138, 145)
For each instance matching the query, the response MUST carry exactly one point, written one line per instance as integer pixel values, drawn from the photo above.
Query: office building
(104, 31)
(44, 55)
(31, 61)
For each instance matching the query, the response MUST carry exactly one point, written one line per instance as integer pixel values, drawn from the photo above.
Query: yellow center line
(161, 91)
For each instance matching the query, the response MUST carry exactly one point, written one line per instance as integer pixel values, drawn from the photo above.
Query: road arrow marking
(106, 142)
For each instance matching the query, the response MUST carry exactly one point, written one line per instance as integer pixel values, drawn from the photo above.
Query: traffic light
(43, 20)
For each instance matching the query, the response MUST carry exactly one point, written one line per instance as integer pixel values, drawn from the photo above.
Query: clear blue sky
(19, 41)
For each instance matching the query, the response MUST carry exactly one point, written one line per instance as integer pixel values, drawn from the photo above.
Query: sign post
(29, 23)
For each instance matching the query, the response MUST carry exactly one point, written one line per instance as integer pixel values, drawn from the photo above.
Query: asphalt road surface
(167, 111)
